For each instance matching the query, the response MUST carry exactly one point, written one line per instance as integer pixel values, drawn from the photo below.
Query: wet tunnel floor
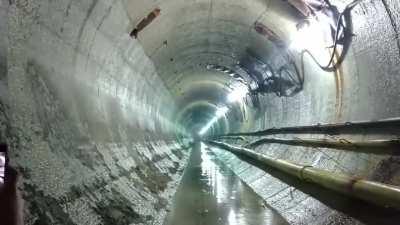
(211, 194)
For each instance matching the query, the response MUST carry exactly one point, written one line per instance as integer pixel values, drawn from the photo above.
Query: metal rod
(371, 146)
(336, 128)
(374, 192)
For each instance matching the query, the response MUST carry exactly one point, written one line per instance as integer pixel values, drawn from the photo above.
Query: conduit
(379, 126)
(369, 146)
(370, 191)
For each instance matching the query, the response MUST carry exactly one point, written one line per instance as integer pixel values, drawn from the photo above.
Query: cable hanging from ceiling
(342, 32)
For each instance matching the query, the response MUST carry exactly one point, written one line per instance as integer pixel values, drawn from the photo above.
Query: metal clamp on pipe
(374, 192)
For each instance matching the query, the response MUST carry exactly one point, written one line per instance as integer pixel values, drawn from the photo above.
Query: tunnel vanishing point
(103, 101)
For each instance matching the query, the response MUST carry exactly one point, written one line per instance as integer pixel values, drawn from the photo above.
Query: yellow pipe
(374, 192)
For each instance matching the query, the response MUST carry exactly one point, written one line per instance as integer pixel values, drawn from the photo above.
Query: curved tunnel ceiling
(189, 35)
(92, 122)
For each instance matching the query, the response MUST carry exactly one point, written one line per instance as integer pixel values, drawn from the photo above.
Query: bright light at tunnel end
(237, 95)
(221, 112)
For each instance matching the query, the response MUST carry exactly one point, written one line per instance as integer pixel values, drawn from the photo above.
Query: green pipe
(374, 192)
(371, 146)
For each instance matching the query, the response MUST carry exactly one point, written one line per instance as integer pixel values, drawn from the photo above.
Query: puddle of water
(211, 194)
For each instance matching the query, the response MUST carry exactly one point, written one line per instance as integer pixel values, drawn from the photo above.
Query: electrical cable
(331, 66)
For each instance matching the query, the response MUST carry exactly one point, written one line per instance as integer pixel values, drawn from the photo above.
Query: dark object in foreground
(11, 200)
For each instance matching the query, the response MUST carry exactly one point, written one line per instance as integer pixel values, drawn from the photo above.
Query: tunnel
(104, 103)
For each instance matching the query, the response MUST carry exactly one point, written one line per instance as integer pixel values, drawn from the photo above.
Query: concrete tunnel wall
(91, 121)
(364, 88)
(92, 129)
(4, 123)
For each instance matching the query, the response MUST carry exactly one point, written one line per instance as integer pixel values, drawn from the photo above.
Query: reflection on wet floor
(211, 194)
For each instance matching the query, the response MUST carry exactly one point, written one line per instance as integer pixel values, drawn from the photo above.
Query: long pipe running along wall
(90, 113)
(373, 192)
(363, 89)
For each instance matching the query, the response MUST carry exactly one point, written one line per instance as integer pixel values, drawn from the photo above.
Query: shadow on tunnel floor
(365, 212)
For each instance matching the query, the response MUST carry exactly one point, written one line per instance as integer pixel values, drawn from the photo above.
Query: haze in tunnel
(99, 122)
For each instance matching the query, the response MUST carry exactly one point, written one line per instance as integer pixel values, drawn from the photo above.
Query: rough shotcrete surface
(91, 120)
(91, 135)
(364, 89)
(4, 104)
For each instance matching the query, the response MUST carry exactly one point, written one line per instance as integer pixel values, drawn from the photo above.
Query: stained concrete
(364, 89)
(93, 114)
(93, 144)
(4, 103)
